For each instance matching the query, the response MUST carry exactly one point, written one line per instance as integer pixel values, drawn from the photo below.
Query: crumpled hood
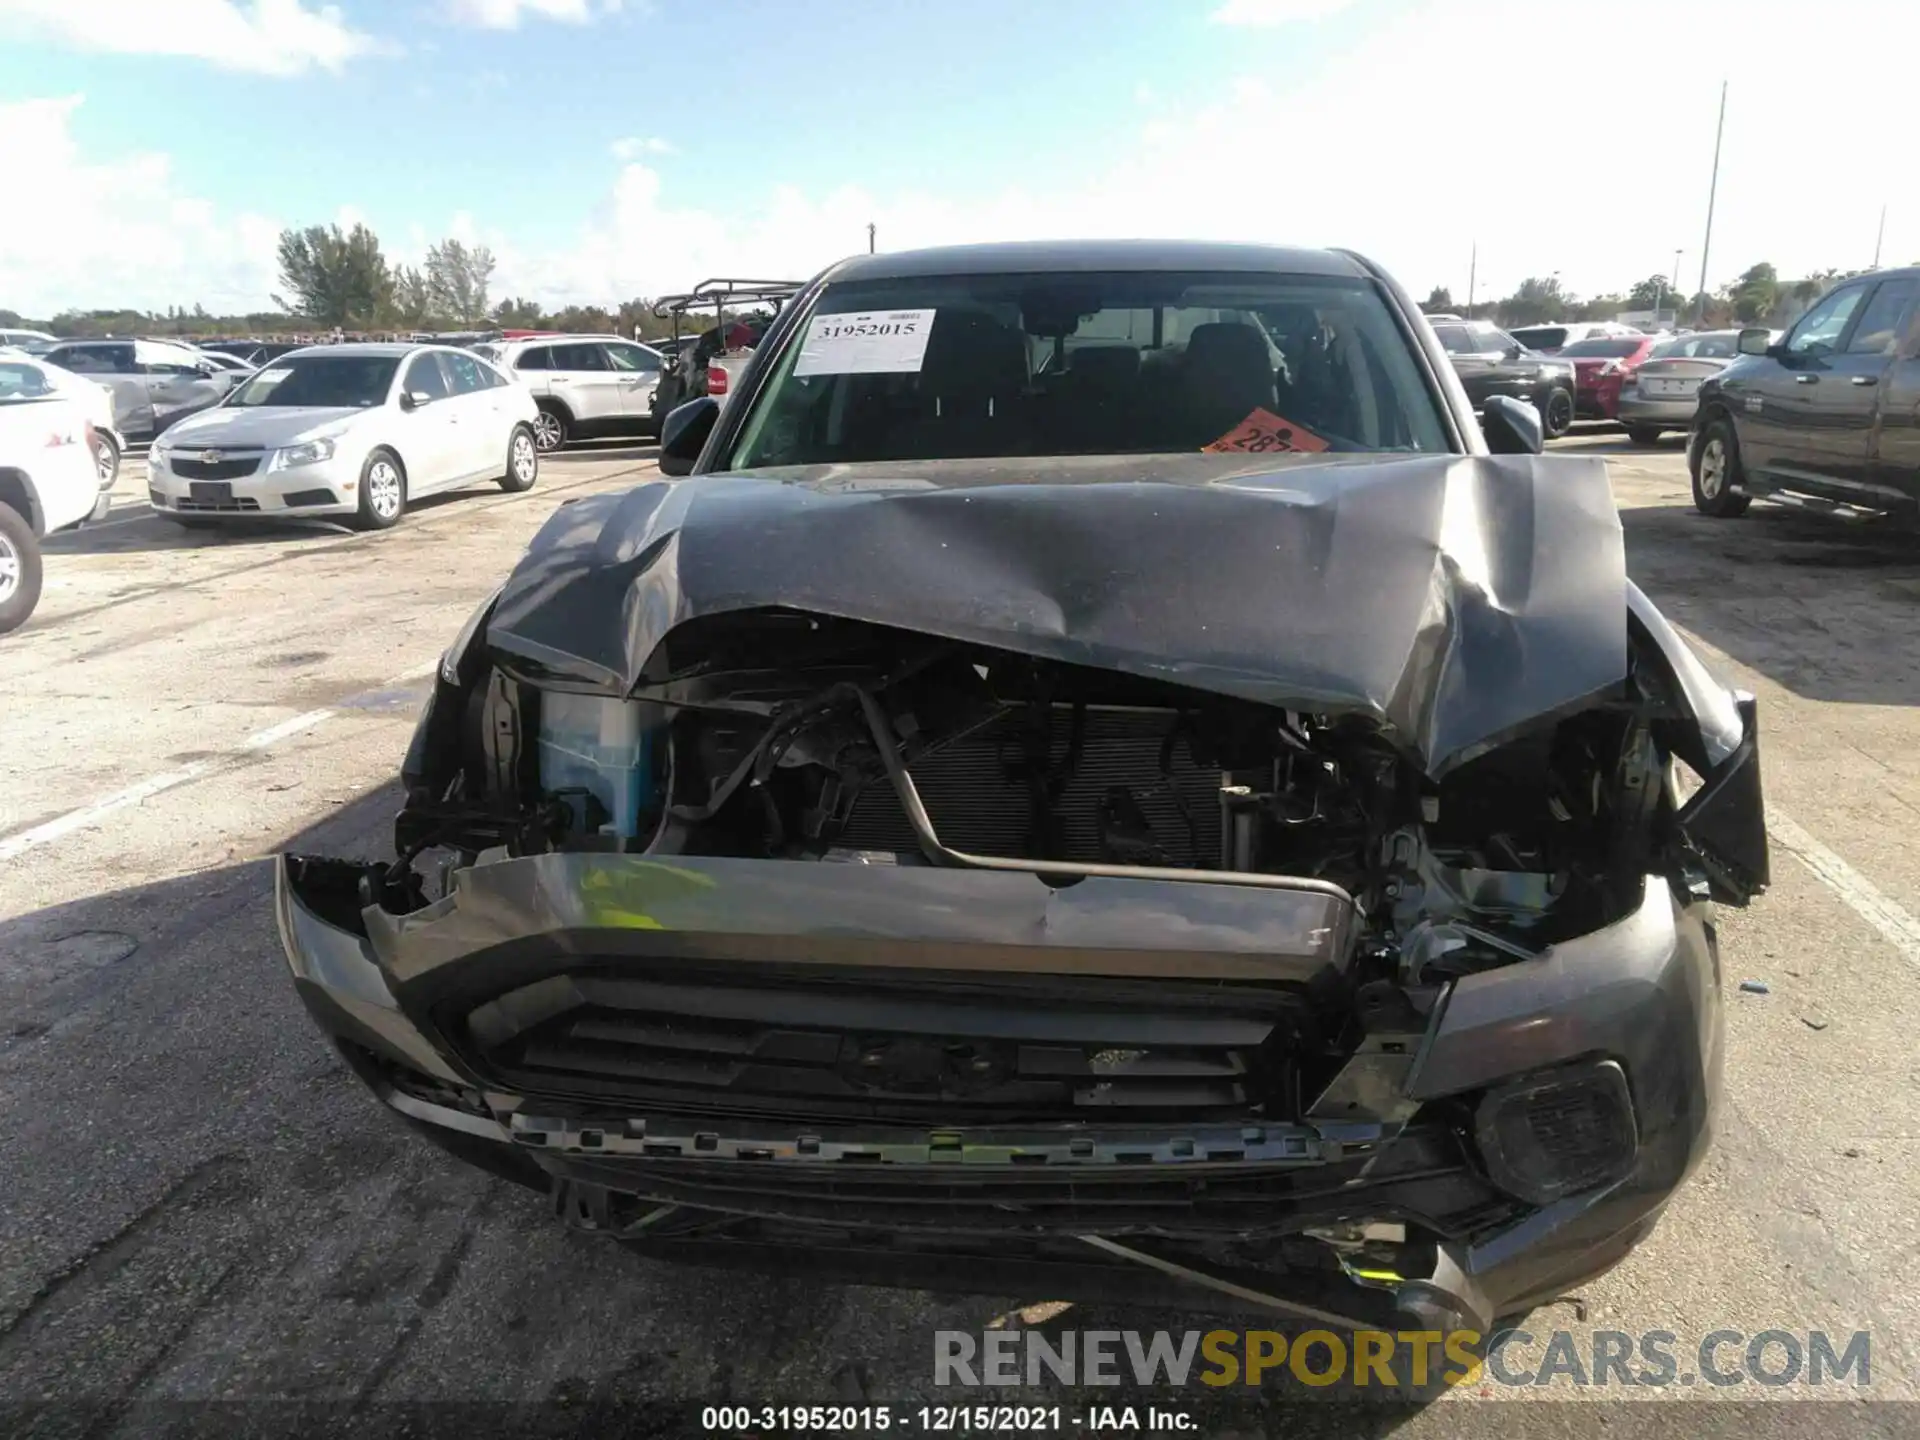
(259, 426)
(1454, 598)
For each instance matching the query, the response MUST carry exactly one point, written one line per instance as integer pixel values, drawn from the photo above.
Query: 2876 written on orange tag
(1264, 432)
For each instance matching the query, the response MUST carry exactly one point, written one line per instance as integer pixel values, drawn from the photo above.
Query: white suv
(49, 480)
(585, 385)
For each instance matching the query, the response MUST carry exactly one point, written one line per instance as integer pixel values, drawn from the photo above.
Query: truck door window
(1881, 323)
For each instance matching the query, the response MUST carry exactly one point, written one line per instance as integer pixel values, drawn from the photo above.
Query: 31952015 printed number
(860, 329)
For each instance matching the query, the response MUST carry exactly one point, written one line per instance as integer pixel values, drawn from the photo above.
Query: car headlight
(310, 452)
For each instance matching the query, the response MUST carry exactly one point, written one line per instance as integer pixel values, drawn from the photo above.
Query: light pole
(1713, 191)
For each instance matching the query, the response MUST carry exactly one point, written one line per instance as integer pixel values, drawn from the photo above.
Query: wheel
(550, 427)
(1716, 472)
(1557, 418)
(383, 492)
(523, 461)
(1644, 434)
(106, 458)
(19, 569)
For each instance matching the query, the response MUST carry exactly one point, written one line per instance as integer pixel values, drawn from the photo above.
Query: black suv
(1491, 362)
(1825, 419)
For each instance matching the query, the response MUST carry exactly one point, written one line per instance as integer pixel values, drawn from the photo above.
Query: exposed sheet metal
(1454, 598)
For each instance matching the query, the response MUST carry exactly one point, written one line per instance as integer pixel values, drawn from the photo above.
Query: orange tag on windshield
(1265, 433)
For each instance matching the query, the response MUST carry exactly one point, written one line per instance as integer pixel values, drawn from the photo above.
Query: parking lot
(196, 1204)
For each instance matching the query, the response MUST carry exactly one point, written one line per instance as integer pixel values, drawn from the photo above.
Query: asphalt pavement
(197, 1203)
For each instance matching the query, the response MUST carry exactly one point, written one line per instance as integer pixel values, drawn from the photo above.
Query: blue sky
(613, 147)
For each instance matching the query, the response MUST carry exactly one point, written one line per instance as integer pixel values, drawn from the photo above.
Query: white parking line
(1859, 894)
(136, 794)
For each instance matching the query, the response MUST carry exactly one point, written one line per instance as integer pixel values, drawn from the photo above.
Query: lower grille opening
(300, 499)
(919, 1056)
(217, 506)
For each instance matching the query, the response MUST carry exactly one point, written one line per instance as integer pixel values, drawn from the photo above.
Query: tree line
(334, 279)
(1757, 297)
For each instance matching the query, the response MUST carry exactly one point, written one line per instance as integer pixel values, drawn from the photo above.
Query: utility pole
(1713, 191)
(1473, 274)
(1880, 236)
(870, 237)
(1676, 290)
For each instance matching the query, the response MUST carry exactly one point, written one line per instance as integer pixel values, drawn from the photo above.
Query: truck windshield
(942, 367)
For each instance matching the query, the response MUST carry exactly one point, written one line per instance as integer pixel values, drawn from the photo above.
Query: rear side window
(1883, 321)
(1455, 339)
(579, 357)
(467, 373)
(535, 359)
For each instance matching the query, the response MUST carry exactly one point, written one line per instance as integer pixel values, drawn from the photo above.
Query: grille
(979, 799)
(867, 1049)
(188, 466)
(208, 507)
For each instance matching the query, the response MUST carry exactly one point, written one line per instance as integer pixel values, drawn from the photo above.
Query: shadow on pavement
(1828, 609)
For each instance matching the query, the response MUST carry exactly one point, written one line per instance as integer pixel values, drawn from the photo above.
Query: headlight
(450, 660)
(311, 452)
(157, 454)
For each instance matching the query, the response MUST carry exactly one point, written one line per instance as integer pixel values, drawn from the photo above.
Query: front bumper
(1099, 1206)
(330, 487)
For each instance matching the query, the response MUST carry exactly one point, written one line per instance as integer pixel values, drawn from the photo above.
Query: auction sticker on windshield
(1265, 433)
(871, 342)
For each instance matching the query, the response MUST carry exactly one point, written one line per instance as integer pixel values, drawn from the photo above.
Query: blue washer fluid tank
(602, 746)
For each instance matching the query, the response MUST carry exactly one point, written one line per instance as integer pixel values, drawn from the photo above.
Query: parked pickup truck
(1828, 418)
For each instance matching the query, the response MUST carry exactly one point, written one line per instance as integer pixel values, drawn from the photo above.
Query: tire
(383, 492)
(1715, 465)
(1644, 434)
(19, 569)
(1556, 416)
(106, 458)
(523, 461)
(552, 427)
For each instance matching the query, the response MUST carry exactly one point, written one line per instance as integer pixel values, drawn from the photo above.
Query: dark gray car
(1828, 418)
(1095, 783)
(153, 383)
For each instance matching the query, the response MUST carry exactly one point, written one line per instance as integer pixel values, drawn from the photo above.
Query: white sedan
(347, 430)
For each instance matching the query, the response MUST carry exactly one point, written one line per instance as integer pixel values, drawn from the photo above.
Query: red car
(1599, 365)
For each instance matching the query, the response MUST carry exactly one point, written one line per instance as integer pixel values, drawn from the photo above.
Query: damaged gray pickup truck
(1091, 782)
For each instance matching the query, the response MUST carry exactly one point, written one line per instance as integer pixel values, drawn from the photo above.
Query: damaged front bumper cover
(424, 1004)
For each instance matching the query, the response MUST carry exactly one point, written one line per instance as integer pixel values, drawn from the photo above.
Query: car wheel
(383, 492)
(550, 428)
(1557, 418)
(1716, 472)
(1644, 434)
(106, 458)
(19, 569)
(523, 461)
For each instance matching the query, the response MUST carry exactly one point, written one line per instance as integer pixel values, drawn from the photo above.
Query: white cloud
(269, 37)
(507, 14)
(1267, 13)
(633, 147)
(120, 231)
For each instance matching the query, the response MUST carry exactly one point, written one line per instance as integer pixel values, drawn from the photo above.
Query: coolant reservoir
(602, 746)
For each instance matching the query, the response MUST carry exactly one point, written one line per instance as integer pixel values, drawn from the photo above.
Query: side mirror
(683, 434)
(1512, 427)
(414, 399)
(1755, 340)
(1514, 352)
